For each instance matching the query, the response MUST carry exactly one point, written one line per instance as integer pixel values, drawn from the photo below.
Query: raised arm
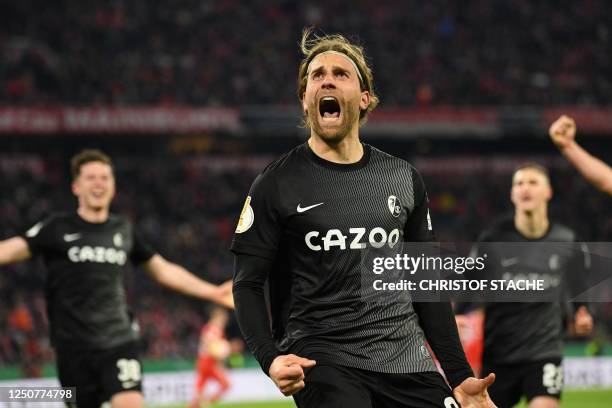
(179, 279)
(563, 134)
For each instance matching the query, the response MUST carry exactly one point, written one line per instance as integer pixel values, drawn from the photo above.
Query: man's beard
(334, 134)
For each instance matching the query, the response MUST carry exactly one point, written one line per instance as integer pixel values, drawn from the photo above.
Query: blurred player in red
(471, 333)
(213, 350)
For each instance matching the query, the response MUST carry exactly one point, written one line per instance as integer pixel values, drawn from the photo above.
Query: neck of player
(532, 224)
(93, 215)
(346, 151)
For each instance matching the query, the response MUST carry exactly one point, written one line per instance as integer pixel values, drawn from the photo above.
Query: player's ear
(113, 190)
(365, 100)
(304, 105)
(75, 188)
(512, 196)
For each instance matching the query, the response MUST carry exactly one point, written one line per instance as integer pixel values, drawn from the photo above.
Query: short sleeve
(418, 226)
(39, 235)
(141, 251)
(479, 246)
(259, 228)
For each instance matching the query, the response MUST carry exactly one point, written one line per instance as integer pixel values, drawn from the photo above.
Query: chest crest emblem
(394, 206)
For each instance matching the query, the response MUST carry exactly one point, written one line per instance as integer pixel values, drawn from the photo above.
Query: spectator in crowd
(457, 53)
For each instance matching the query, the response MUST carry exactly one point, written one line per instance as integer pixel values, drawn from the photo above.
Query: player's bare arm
(226, 288)
(563, 134)
(179, 279)
(14, 250)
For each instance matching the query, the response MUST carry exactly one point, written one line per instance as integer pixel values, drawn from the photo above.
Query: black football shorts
(344, 387)
(531, 379)
(99, 374)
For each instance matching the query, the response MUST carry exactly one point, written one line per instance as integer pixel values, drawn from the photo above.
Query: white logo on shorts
(130, 372)
(552, 378)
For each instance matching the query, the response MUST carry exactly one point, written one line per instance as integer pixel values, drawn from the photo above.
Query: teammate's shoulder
(55, 219)
(499, 226)
(561, 232)
(47, 223)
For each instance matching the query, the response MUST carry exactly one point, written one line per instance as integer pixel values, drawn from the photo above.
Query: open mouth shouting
(329, 109)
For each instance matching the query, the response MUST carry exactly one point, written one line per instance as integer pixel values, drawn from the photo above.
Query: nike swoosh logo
(71, 237)
(302, 209)
(509, 262)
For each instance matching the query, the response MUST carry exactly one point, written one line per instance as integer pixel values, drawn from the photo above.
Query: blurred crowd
(232, 53)
(187, 208)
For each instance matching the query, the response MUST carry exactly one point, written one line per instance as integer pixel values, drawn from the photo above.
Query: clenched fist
(563, 132)
(287, 372)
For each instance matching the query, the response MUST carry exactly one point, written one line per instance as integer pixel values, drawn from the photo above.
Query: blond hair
(311, 47)
(533, 166)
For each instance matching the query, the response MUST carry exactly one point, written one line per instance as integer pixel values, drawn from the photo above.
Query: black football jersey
(316, 220)
(86, 263)
(529, 330)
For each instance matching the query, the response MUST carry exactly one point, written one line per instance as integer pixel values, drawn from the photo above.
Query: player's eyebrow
(340, 70)
(317, 70)
(335, 69)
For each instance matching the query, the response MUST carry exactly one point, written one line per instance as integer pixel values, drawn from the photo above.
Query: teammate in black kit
(523, 341)
(304, 226)
(86, 254)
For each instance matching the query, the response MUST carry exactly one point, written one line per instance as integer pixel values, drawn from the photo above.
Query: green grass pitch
(571, 399)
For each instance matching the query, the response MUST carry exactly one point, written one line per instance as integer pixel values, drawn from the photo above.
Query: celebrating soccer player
(87, 254)
(563, 134)
(523, 340)
(303, 227)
